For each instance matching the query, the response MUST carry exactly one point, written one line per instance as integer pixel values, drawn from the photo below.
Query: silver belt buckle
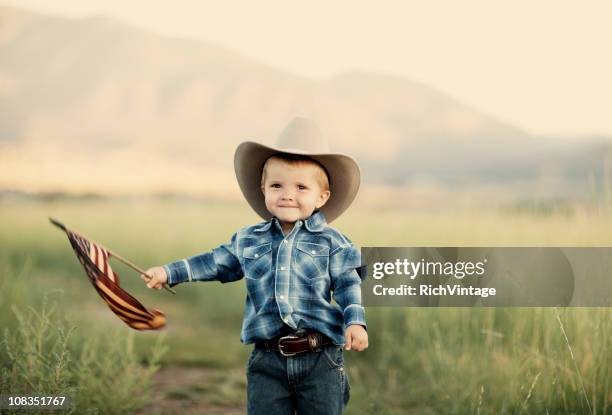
(280, 346)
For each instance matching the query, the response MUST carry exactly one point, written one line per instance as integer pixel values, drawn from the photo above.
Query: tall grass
(102, 375)
(36, 354)
(42, 353)
(502, 361)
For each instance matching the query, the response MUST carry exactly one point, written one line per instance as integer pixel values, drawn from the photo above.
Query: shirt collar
(315, 223)
(263, 227)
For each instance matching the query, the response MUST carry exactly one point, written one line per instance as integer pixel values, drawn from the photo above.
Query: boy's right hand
(158, 277)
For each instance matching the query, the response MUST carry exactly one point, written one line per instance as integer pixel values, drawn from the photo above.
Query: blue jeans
(306, 383)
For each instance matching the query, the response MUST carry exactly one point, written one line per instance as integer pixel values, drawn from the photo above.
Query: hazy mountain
(95, 104)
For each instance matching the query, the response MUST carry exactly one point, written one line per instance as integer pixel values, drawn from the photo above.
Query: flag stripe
(115, 278)
(120, 312)
(94, 250)
(119, 306)
(119, 301)
(121, 293)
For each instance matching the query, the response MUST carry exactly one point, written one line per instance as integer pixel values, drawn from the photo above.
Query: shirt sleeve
(344, 262)
(220, 264)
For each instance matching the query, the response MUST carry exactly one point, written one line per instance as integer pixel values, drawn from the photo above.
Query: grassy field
(421, 361)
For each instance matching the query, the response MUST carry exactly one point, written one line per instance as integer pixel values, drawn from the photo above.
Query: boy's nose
(287, 196)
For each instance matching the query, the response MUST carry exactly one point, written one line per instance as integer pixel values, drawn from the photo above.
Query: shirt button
(282, 297)
(313, 252)
(256, 255)
(282, 268)
(285, 241)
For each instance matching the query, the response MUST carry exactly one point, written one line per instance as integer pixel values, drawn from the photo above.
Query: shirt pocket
(257, 261)
(312, 260)
(257, 265)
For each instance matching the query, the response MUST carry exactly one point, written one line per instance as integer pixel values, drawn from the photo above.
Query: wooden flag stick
(119, 258)
(134, 267)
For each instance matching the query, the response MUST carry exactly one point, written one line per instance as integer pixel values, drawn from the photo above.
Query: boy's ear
(323, 198)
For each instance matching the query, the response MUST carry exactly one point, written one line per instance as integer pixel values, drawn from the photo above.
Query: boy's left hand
(355, 338)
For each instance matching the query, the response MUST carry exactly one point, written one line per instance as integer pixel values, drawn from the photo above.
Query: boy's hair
(297, 161)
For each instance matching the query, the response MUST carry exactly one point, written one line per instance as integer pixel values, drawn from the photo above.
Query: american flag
(94, 259)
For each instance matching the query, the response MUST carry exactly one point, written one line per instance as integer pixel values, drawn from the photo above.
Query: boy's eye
(275, 186)
(301, 187)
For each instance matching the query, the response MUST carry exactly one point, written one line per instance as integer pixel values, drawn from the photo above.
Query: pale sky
(544, 66)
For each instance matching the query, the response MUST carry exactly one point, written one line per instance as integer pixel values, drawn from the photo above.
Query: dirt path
(186, 391)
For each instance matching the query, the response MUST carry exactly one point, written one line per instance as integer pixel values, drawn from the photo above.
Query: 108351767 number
(33, 401)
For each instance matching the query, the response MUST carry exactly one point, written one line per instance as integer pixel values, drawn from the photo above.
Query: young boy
(293, 264)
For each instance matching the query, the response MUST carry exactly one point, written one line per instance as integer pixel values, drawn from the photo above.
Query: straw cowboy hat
(300, 137)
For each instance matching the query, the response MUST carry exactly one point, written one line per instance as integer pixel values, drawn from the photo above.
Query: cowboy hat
(300, 137)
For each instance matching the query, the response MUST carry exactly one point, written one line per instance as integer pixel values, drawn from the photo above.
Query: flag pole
(119, 258)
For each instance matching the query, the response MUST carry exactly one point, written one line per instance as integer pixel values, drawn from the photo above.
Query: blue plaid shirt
(290, 279)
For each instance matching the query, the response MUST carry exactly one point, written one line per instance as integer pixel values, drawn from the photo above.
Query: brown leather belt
(293, 344)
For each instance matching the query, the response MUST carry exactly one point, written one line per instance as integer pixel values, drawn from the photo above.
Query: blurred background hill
(96, 105)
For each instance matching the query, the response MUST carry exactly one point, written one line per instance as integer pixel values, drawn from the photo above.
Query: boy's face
(292, 192)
